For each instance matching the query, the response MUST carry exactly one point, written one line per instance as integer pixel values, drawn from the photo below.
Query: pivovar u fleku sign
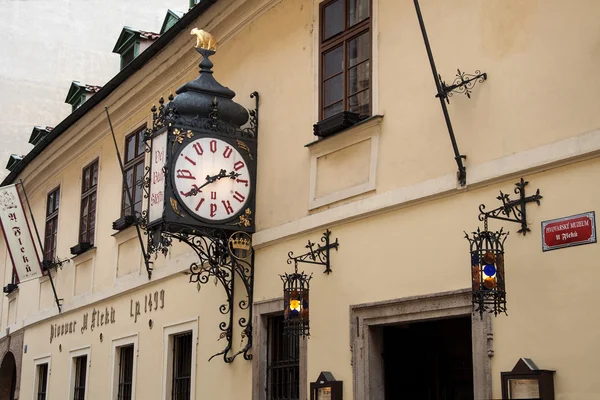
(17, 234)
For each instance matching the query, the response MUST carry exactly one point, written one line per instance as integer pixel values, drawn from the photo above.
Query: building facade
(394, 319)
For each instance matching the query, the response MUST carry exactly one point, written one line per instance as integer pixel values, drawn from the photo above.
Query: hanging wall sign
(569, 231)
(18, 235)
(156, 201)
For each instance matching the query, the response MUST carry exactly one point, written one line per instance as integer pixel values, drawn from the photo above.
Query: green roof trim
(13, 160)
(76, 90)
(170, 19)
(126, 38)
(131, 68)
(38, 133)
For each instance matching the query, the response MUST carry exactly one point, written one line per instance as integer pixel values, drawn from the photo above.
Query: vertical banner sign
(18, 235)
(157, 181)
(569, 231)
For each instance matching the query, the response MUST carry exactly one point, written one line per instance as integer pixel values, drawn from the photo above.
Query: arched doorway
(8, 377)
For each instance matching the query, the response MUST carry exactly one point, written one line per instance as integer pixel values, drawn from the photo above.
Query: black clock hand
(211, 179)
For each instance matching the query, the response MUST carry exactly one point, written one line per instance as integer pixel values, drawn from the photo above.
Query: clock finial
(204, 40)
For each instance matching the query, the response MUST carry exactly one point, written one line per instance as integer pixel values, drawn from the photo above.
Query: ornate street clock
(201, 189)
(203, 165)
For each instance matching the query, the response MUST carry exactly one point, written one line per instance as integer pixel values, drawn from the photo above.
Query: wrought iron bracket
(316, 255)
(512, 210)
(463, 83)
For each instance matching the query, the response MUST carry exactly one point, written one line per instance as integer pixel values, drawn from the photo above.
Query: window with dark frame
(345, 57)
(80, 378)
(283, 362)
(125, 373)
(134, 172)
(51, 224)
(182, 366)
(89, 188)
(42, 381)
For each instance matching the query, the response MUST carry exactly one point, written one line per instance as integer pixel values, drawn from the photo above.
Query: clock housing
(203, 159)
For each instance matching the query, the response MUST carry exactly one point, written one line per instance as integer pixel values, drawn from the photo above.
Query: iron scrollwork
(512, 210)
(462, 83)
(215, 259)
(316, 255)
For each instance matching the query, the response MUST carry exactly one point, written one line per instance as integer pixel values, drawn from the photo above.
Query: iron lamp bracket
(462, 83)
(317, 253)
(512, 210)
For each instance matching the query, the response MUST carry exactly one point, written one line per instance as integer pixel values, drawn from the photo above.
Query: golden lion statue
(204, 40)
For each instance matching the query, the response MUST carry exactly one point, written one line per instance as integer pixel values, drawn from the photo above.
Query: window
(51, 225)
(134, 171)
(182, 366)
(42, 381)
(194, 2)
(127, 56)
(80, 377)
(345, 53)
(283, 362)
(89, 188)
(125, 385)
(77, 103)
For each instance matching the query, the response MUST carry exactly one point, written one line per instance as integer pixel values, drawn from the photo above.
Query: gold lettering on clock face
(212, 179)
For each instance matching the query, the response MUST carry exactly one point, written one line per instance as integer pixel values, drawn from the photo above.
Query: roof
(129, 35)
(38, 133)
(77, 89)
(170, 19)
(110, 86)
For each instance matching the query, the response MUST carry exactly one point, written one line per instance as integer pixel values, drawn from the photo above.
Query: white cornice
(543, 157)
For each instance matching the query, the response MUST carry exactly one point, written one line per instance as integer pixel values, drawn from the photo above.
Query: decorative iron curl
(463, 84)
(317, 254)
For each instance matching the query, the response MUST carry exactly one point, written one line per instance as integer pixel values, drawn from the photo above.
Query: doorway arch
(8, 377)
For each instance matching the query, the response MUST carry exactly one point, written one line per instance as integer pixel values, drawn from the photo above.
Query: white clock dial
(202, 161)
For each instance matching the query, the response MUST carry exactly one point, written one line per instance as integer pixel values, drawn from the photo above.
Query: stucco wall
(403, 236)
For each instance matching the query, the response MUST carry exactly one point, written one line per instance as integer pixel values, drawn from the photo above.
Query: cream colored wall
(269, 46)
(420, 250)
(182, 304)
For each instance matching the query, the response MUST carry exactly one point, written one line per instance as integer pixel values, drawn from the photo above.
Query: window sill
(365, 123)
(81, 248)
(11, 289)
(123, 223)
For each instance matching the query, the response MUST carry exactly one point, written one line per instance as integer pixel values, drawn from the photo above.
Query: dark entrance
(429, 360)
(8, 377)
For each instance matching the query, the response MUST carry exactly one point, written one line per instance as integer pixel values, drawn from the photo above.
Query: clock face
(212, 179)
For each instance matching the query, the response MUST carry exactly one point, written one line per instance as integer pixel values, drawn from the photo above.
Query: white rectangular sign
(157, 182)
(18, 235)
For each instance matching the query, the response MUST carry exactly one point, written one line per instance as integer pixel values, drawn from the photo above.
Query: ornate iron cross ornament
(512, 210)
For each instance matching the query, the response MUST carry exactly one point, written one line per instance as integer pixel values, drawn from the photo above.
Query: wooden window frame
(279, 367)
(42, 381)
(85, 196)
(179, 352)
(132, 165)
(80, 385)
(51, 223)
(125, 378)
(342, 38)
